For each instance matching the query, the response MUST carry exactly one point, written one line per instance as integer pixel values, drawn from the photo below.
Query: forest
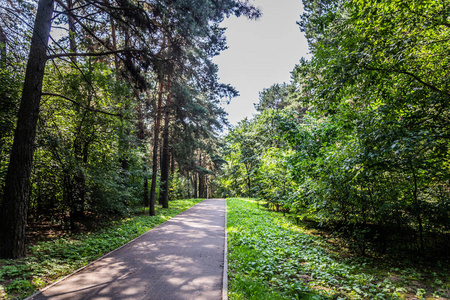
(108, 106)
(358, 140)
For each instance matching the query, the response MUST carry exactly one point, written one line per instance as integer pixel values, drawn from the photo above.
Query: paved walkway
(181, 259)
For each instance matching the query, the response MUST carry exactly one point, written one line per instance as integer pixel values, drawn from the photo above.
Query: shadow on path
(181, 259)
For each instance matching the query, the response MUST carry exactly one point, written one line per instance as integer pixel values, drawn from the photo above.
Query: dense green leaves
(378, 73)
(370, 155)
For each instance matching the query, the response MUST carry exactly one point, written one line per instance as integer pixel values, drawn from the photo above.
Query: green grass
(270, 257)
(50, 260)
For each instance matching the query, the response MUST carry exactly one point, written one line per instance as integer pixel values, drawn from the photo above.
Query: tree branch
(81, 105)
(92, 54)
(83, 26)
(412, 75)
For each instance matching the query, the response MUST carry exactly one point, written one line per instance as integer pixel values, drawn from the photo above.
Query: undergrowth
(49, 261)
(270, 257)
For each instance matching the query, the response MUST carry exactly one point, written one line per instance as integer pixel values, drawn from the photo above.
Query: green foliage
(382, 86)
(275, 184)
(78, 162)
(370, 159)
(9, 99)
(244, 149)
(277, 97)
(272, 258)
(178, 186)
(50, 260)
(346, 179)
(257, 263)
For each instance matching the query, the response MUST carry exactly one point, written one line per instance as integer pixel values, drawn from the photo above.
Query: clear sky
(260, 53)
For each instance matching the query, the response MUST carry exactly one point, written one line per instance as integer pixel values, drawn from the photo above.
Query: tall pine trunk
(141, 137)
(172, 162)
(155, 148)
(165, 161)
(201, 178)
(160, 155)
(114, 44)
(2, 48)
(201, 185)
(194, 182)
(72, 32)
(76, 182)
(13, 212)
(146, 199)
(188, 176)
(417, 209)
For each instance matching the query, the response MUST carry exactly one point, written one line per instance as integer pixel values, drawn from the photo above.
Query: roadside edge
(225, 260)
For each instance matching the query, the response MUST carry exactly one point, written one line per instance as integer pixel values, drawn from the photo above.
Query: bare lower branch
(83, 26)
(434, 88)
(92, 54)
(81, 105)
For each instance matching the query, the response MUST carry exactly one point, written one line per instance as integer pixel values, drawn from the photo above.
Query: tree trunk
(249, 180)
(146, 200)
(172, 162)
(200, 178)
(418, 210)
(78, 182)
(165, 161)
(201, 185)
(188, 176)
(75, 185)
(124, 146)
(72, 33)
(2, 48)
(195, 185)
(155, 149)
(141, 137)
(141, 128)
(78, 186)
(13, 213)
(114, 42)
(206, 187)
(68, 197)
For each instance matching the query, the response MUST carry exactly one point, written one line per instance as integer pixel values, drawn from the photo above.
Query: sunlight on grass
(270, 257)
(260, 267)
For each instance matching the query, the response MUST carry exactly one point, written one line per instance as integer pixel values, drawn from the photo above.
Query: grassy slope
(272, 258)
(51, 260)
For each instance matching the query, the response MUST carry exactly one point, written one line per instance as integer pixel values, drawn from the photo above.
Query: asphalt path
(181, 259)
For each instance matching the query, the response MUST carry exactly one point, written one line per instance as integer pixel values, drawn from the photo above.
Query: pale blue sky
(260, 53)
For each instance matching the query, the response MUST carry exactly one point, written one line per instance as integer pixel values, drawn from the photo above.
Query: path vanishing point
(182, 258)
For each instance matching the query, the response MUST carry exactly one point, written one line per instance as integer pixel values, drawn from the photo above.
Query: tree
(188, 53)
(125, 37)
(2, 48)
(274, 97)
(382, 84)
(17, 183)
(157, 127)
